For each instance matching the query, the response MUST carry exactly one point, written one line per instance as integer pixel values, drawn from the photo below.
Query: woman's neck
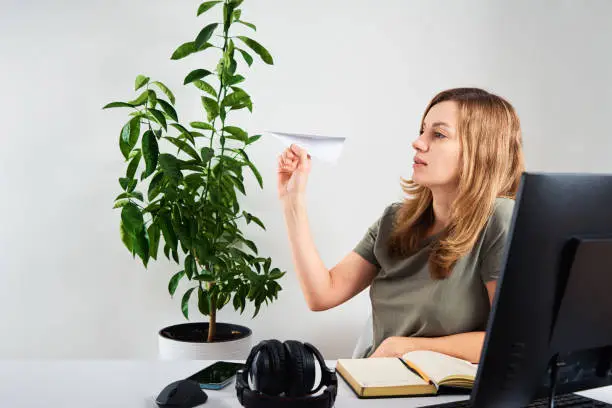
(442, 209)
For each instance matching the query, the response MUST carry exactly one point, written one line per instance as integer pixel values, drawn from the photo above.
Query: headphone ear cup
(261, 367)
(272, 378)
(301, 369)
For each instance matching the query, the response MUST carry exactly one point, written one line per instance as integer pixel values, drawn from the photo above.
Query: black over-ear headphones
(283, 375)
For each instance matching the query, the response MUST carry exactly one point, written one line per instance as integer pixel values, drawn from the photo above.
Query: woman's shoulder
(502, 210)
(499, 223)
(391, 209)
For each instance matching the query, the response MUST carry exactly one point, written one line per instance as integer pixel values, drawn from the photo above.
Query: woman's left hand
(395, 346)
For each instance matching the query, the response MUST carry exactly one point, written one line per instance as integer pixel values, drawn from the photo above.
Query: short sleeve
(496, 236)
(365, 247)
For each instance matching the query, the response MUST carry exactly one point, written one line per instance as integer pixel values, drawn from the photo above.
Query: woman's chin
(417, 179)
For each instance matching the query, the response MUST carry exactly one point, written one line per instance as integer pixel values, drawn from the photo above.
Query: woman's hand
(293, 171)
(395, 346)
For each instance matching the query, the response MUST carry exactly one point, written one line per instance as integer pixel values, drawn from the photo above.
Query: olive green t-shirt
(406, 301)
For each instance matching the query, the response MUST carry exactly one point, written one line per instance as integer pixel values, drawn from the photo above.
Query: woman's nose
(419, 144)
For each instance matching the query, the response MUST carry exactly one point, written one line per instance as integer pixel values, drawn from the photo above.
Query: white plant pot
(187, 341)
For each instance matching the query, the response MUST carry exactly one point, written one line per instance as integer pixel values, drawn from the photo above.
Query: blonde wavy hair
(491, 164)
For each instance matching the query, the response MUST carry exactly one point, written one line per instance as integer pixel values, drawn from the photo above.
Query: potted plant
(194, 175)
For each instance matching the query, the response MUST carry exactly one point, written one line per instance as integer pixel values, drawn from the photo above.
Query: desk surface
(136, 383)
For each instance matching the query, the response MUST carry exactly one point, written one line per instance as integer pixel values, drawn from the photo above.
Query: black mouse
(181, 394)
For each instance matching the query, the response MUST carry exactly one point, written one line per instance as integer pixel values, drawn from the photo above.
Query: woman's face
(436, 161)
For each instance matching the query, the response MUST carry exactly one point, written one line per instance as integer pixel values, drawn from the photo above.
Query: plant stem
(212, 325)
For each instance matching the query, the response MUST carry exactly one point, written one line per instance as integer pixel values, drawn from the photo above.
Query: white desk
(135, 384)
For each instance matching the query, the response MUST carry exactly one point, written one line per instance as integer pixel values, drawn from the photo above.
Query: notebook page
(381, 372)
(438, 366)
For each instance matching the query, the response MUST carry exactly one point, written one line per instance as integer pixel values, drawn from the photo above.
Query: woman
(431, 261)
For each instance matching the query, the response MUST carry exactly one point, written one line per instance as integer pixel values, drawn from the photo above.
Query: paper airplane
(325, 148)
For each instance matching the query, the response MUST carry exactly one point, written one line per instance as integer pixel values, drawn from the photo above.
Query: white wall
(361, 69)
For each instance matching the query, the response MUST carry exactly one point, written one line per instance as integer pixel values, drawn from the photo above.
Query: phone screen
(217, 373)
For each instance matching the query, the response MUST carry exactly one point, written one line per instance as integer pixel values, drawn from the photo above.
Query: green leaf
(207, 154)
(168, 109)
(132, 219)
(253, 139)
(236, 79)
(184, 147)
(141, 99)
(235, 98)
(171, 167)
(168, 232)
(191, 165)
(184, 50)
(133, 166)
(212, 109)
(185, 303)
(258, 48)
(194, 181)
(205, 35)
(174, 281)
(165, 90)
(250, 244)
(238, 133)
(121, 203)
(247, 57)
(276, 274)
(239, 184)
(141, 81)
(203, 301)
(207, 6)
(202, 125)
(184, 131)
(152, 98)
(250, 25)
(206, 87)
(129, 136)
(160, 118)
(190, 266)
(188, 48)
(204, 277)
(153, 207)
(196, 75)
(118, 105)
(236, 301)
(127, 184)
(136, 194)
(253, 218)
(154, 233)
(155, 186)
(257, 307)
(141, 246)
(126, 238)
(150, 150)
(267, 264)
(256, 173)
(228, 11)
(134, 153)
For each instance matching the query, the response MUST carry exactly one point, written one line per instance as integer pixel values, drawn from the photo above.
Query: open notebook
(415, 373)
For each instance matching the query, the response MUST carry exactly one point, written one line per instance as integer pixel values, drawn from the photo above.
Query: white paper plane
(325, 148)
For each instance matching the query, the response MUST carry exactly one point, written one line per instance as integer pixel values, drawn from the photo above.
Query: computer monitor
(552, 312)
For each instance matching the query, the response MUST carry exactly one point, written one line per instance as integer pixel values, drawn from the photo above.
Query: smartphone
(216, 375)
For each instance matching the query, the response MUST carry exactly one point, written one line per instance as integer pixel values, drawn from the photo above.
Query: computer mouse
(181, 394)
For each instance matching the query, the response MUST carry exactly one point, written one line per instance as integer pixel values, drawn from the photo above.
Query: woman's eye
(439, 135)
